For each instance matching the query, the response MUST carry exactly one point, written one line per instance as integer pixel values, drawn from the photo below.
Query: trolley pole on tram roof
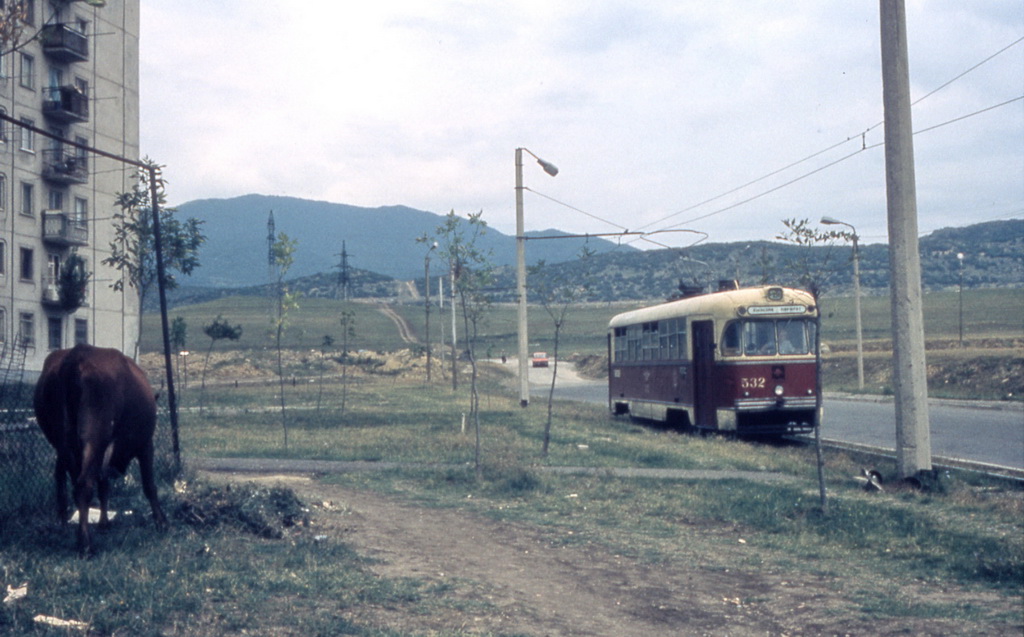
(913, 439)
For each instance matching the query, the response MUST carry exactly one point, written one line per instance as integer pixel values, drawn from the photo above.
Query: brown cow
(97, 409)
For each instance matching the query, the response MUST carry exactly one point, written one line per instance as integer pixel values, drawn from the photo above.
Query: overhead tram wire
(861, 135)
(864, 146)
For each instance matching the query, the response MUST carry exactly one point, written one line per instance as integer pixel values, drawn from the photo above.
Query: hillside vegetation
(992, 259)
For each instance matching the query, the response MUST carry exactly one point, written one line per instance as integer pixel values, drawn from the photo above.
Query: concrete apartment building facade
(74, 73)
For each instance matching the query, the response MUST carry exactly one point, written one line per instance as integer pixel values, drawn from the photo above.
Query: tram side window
(633, 342)
(650, 341)
(731, 339)
(620, 344)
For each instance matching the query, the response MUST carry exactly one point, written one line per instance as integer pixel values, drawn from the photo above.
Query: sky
(716, 120)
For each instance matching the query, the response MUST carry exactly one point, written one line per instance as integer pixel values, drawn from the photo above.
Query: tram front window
(793, 337)
(785, 337)
(759, 338)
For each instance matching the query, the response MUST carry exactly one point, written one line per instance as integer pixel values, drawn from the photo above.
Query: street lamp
(524, 380)
(960, 258)
(426, 305)
(856, 297)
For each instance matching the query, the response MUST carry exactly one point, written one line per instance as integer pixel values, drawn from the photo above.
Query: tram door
(703, 373)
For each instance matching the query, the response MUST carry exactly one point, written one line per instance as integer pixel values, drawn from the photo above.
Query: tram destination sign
(776, 310)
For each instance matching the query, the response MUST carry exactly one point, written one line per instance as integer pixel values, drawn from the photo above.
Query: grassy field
(230, 566)
(988, 315)
(989, 365)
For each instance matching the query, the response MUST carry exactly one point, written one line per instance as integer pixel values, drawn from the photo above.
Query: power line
(864, 146)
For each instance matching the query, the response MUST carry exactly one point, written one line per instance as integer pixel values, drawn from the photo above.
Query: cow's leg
(103, 492)
(60, 480)
(85, 487)
(149, 485)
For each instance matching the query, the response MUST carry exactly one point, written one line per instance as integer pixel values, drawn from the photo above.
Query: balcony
(65, 104)
(62, 167)
(61, 42)
(51, 293)
(60, 228)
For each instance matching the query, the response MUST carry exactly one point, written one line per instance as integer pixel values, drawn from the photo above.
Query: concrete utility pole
(521, 315)
(913, 439)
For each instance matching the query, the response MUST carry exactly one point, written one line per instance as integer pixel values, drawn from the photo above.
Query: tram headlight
(779, 390)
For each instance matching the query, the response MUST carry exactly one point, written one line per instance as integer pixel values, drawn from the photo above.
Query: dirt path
(404, 330)
(517, 579)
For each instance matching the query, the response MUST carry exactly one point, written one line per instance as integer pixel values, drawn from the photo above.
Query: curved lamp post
(524, 345)
(856, 297)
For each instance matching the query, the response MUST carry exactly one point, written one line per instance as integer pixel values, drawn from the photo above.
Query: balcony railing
(62, 42)
(63, 167)
(63, 229)
(66, 104)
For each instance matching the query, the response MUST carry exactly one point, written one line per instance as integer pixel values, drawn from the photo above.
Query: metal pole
(960, 258)
(856, 311)
(521, 322)
(913, 438)
(426, 307)
(455, 350)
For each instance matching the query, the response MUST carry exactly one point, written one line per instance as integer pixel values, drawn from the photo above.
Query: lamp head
(830, 221)
(548, 167)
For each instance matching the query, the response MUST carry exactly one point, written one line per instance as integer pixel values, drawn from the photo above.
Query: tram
(737, 360)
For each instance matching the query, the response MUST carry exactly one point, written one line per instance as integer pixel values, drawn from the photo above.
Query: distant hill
(381, 240)
(993, 251)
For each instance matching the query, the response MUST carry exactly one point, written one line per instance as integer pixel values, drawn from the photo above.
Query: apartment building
(74, 73)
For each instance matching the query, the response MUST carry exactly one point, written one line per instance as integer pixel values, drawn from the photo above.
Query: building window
(30, 11)
(55, 332)
(28, 204)
(3, 192)
(27, 267)
(3, 258)
(3, 125)
(56, 199)
(52, 269)
(27, 329)
(28, 137)
(82, 210)
(81, 331)
(27, 73)
(3, 325)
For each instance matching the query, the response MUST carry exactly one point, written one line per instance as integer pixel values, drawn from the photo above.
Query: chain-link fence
(27, 459)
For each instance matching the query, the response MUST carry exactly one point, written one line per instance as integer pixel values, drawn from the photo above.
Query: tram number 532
(752, 383)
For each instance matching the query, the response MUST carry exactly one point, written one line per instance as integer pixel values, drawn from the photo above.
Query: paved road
(987, 432)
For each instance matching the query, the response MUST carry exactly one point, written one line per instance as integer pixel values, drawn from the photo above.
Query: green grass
(967, 537)
(988, 314)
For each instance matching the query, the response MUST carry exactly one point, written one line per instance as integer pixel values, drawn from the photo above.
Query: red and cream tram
(741, 361)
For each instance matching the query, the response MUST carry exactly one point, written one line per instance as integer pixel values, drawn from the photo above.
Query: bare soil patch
(508, 578)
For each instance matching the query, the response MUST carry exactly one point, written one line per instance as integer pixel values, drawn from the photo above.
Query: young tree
(558, 294)
(325, 346)
(218, 330)
(133, 250)
(179, 335)
(813, 271)
(283, 252)
(473, 273)
(348, 331)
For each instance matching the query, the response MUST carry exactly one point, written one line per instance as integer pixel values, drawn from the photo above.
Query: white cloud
(647, 109)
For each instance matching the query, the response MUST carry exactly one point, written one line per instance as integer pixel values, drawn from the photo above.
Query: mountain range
(381, 249)
(381, 240)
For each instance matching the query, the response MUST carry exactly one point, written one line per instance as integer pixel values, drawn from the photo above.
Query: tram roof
(716, 304)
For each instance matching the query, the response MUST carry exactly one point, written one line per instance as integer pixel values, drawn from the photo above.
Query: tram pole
(913, 439)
